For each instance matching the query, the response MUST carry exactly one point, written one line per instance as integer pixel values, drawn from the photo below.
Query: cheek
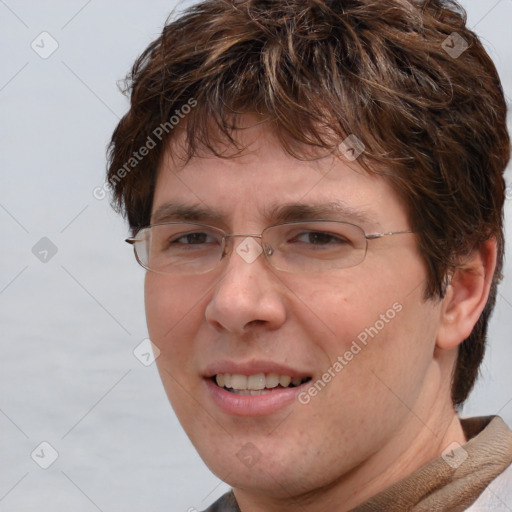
(160, 309)
(348, 309)
(385, 356)
(377, 326)
(374, 379)
(168, 303)
(173, 319)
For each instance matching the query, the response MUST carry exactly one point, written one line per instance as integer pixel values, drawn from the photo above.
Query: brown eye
(319, 238)
(192, 239)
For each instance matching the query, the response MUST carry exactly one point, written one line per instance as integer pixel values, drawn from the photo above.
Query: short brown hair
(317, 71)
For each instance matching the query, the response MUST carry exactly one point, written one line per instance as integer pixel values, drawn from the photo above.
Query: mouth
(255, 387)
(256, 384)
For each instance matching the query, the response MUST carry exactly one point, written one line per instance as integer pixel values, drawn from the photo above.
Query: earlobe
(466, 295)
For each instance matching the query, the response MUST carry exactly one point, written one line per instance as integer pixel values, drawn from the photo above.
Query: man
(316, 190)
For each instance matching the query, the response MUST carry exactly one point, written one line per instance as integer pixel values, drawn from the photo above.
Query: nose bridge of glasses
(227, 236)
(232, 235)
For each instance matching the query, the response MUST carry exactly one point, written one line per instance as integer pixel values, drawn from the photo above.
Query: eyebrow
(333, 210)
(174, 211)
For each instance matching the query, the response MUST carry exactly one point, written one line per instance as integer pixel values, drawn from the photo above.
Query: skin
(387, 412)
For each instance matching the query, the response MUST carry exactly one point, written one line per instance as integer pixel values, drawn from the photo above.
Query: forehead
(264, 181)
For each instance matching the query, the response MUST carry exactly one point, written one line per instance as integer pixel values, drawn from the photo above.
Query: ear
(466, 295)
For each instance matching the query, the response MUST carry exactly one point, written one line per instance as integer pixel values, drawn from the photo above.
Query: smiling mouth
(258, 384)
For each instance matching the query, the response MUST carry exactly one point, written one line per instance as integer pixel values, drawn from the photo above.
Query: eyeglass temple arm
(379, 235)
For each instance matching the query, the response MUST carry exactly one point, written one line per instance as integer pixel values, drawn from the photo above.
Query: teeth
(272, 381)
(239, 382)
(256, 384)
(285, 380)
(296, 381)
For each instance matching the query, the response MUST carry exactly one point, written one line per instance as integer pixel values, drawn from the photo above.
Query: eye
(319, 238)
(193, 238)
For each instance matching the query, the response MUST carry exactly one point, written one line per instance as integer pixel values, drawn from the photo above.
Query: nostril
(256, 323)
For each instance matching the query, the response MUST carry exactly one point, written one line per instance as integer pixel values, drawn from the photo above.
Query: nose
(248, 296)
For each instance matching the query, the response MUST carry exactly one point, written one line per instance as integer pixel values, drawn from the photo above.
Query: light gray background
(69, 326)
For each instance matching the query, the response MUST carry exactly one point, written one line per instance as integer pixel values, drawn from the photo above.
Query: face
(358, 341)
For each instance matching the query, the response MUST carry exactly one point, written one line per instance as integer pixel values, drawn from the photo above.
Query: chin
(274, 466)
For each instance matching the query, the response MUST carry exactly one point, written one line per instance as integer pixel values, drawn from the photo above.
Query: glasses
(179, 248)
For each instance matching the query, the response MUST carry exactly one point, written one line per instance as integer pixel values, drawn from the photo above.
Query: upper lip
(252, 367)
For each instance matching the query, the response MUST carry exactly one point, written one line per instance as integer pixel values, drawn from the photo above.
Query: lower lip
(252, 405)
